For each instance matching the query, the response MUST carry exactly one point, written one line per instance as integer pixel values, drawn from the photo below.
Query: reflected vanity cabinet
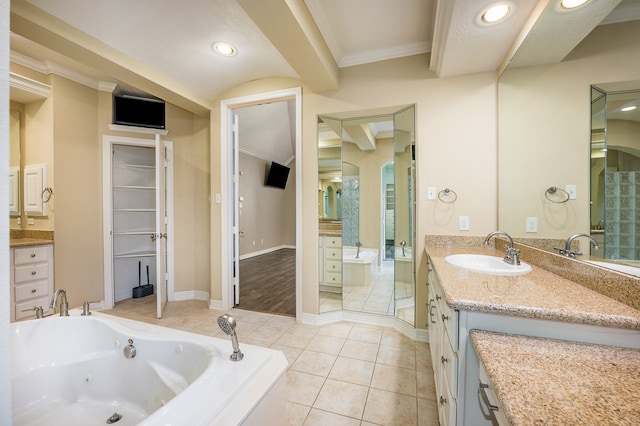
(443, 336)
(31, 280)
(330, 263)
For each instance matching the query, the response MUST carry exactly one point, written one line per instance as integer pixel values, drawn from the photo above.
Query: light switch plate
(532, 224)
(571, 190)
(463, 222)
(431, 193)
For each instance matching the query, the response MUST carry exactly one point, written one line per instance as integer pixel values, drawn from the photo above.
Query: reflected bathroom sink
(486, 264)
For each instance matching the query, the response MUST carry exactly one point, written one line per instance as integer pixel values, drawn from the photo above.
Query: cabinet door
(161, 226)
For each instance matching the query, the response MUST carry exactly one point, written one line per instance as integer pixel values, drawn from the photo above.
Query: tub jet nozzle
(228, 324)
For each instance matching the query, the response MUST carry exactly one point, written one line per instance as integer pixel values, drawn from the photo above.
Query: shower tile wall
(622, 220)
(350, 210)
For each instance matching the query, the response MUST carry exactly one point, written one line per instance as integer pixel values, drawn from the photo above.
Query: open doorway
(249, 202)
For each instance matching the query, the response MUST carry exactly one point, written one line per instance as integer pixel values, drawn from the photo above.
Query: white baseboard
(265, 251)
(366, 318)
(216, 304)
(191, 295)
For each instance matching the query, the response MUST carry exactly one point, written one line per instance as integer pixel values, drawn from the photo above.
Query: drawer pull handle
(485, 399)
(33, 290)
(432, 314)
(33, 272)
(444, 317)
(443, 400)
(33, 255)
(443, 359)
(438, 297)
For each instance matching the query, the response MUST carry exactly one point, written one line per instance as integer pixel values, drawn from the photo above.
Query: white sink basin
(486, 264)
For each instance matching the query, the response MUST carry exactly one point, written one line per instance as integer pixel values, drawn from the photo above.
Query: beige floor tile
(352, 371)
(267, 334)
(324, 418)
(398, 357)
(427, 412)
(303, 388)
(343, 398)
(375, 307)
(316, 363)
(296, 413)
(392, 337)
(390, 409)
(295, 340)
(426, 387)
(326, 344)
(290, 353)
(353, 305)
(366, 334)
(394, 379)
(423, 358)
(360, 350)
(339, 329)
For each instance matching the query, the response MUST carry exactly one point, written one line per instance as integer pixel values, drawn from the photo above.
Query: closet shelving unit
(134, 216)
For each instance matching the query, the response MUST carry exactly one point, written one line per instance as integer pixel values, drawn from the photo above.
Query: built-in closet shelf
(151, 188)
(134, 232)
(136, 254)
(137, 166)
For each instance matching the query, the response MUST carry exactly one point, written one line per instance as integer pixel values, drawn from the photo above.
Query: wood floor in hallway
(268, 283)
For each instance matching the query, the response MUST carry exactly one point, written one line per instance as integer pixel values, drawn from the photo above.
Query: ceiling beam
(289, 26)
(52, 33)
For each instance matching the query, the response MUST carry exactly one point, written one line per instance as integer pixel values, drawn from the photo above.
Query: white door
(161, 226)
(235, 215)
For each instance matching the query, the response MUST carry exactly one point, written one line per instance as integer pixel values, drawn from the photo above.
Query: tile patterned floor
(339, 374)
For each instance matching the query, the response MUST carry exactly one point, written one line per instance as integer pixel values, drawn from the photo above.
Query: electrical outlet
(463, 223)
(532, 224)
(571, 190)
(218, 199)
(431, 193)
(30, 221)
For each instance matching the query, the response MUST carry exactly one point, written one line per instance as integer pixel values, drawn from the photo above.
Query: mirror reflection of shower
(372, 159)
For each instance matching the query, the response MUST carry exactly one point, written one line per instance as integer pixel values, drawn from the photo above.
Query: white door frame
(226, 113)
(107, 211)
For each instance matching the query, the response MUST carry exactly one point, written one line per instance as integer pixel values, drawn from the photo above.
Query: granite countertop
(26, 242)
(547, 381)
(538, 294)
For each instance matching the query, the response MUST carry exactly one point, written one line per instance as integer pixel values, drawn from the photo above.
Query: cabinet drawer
(34, 254)
(25, 310)
(31, 290)
(449, 364)
(447, 406)
(449, 319)
(333, 278)
(332, 241)
(490, 399)
(31, 273)
(333, 254)
(333, 266)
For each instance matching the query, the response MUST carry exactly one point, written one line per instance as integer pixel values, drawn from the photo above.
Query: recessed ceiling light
(224, 49)
(495, 13)
(629, 108)
(571, 4)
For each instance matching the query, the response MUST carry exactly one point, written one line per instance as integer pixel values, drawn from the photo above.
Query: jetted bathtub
(74, 371)
(357, 271)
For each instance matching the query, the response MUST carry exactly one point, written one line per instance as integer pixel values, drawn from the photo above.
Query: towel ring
(46, 195)
(556, 195)
(447, 196)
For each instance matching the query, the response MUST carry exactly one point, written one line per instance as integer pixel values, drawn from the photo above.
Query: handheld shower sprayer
(228, 324)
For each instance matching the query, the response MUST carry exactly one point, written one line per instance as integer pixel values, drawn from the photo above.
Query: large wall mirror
(15, 143)
(615, 174)
(366, 210)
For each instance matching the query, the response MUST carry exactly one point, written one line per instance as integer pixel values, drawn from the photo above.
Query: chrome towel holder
(447, 196)
(556, 195)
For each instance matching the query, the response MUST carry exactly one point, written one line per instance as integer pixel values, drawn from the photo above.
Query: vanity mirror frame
(402, 136)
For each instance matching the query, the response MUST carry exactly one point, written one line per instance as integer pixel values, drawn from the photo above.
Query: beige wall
(455, 148)
(267, 215)
(544, 130)
(65, 131)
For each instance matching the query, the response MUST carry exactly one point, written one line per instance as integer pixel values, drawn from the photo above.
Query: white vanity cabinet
(461, 385)
(31, 280)
(443, 335)
(330, 263)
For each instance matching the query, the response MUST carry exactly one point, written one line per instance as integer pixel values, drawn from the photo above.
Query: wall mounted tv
(277, 176)
(136, 111)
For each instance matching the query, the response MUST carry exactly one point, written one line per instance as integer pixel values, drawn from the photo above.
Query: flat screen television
(277, 176)
(136, 111)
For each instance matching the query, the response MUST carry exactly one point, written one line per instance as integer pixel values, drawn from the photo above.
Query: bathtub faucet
(402, 244)
(358, 245)
(64, 306)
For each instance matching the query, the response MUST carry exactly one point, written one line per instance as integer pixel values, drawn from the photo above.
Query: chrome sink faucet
(64, 306)
(511, 254)
(567, 245)
(403, 243)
